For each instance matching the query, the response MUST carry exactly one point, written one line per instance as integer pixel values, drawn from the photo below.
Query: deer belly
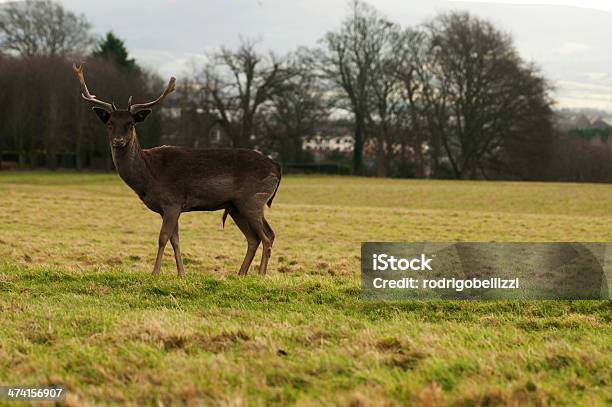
(150, 203)
(208, 195)
(205, 205)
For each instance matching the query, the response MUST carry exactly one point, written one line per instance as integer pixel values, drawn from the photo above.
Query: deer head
(120, 123)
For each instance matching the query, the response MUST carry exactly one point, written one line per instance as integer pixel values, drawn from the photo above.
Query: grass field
(79, 308)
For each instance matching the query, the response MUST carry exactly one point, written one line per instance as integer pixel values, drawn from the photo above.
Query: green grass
(79, 308)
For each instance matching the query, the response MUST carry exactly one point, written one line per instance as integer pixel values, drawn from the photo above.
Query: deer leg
(256, 222)
(267, 250)
(269, 231)
(252, 240)
(170, 219)
(174, 240)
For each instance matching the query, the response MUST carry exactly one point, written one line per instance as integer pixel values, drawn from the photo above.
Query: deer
(170, 180)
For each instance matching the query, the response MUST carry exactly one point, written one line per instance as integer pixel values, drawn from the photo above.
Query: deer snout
(119, 141)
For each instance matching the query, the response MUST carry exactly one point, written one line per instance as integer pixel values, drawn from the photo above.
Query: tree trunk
(78, 146)
(33, 159)
(22, 160)
(108, 162)
(78, 161)
(435, 155)
(78, 143)
(78, 150)
(473, 169)
(381, 159)
(51, 159)
(51, 132)
(90, 153)
(246, 129)
(239, 140)
(297, 149)
(358, 148)
(419, 165)
(403, 158)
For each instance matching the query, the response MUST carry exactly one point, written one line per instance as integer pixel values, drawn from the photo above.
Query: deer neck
(131, 165)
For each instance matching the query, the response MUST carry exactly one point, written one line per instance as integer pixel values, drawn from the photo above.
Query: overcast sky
(572, 45)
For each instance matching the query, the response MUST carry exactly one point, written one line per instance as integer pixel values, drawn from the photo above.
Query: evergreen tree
(112, 47)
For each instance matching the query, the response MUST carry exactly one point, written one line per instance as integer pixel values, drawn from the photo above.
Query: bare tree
(410, 66)
(527, 151)
(297, 111)
(477, 90)
(239, 82)
(42, 27)
(351, 55)
(387, 109)
(190, 129)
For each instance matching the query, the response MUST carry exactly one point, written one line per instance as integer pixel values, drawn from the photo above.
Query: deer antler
(169, 89)
(85, 92)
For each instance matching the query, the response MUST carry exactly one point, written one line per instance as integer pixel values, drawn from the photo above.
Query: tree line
(451, 98)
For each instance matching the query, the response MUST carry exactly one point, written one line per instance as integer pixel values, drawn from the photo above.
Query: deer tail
(225, 213)
(278, 168)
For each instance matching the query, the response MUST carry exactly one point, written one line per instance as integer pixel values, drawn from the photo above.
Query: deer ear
(102, 114)
(141, 115)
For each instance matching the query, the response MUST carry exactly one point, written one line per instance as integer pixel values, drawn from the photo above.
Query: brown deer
(170, 180)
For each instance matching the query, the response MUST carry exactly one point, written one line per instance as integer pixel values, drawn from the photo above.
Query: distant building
(602, 123)
(568, 120)
(596, 129)
(320, 147)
